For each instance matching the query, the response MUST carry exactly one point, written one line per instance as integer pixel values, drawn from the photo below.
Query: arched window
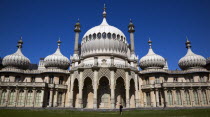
(109, 35)
(29, 97)
(204, 98)
(38, 98)
(94, 36)
(104, 35)
(178, 98)
(90, 36)
(51, 79)
(12, 97)
(3, 97)
(196, 97)
(60, 98)
(170, 98)
(61, 79)
(99, 35)
(114, 36)
(121, 38)
(187, 97)
(20, 98)
(118, 37)
(17, 79)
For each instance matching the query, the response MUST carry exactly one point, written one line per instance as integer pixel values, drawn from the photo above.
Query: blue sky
(166, 22)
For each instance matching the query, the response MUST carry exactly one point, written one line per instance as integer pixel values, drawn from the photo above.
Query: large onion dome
(191, 60)
(104, 39)
(57, 60)
(152, 60)
(16, 60)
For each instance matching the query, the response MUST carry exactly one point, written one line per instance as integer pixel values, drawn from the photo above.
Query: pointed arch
(87, 93)
(120, 92)
(76, 93)
(132, 93)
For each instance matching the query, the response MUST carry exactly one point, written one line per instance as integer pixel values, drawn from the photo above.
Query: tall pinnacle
(104, 13)
(20, 43)
(59, 42)
(150, 43)
(188, 43)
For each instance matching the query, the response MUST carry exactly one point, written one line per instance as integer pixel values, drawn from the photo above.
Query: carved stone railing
(56, 70)
(176, 84)
(23, 84)
(186, 84)
(57, 86)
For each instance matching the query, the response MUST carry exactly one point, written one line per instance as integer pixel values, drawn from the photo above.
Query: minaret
(131, 30)
(76, 43)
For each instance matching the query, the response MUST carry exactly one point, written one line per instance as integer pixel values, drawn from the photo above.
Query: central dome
(104, 40)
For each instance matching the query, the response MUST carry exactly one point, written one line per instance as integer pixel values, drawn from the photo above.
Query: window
(121, 38)
(99, 35)
(61, 80)
(114, 36)
(104, 35)
(157, 79)
(60, 98)
(12, 97)
(94, 36)
(38, 98)
(6, 79)
(147, 81)
(51, 79)
(178, 98)
(170, 98)
(118, 37)
(32, 79)
(17, 79)
(20, 98)
(86, 38)
(160, 96)
(90, 37)
(148, 98)
(29, 97)
(187, 97)
(175, 79)
(3, 97)
(165, 79)
(109, 35)
(196, 97)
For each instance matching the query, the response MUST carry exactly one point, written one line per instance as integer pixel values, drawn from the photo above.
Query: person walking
(121, 107)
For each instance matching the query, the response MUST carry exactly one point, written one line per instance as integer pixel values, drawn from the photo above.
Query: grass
(137, 113)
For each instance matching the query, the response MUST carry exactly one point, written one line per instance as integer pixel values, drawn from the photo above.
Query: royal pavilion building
(104, 72)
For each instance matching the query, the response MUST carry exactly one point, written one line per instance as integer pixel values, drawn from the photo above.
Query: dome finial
(104, 13)
(20, 42)
(59, 42)
(150, 43)
(188, 43)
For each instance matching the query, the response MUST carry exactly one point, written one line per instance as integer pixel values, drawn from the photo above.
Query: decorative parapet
(57, 86)
(176, 84)
(55, 71)
(23, 84)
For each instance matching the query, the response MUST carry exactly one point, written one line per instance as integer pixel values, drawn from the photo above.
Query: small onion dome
(16, 60)
(152, 60)
(191, 60)
(57, 60)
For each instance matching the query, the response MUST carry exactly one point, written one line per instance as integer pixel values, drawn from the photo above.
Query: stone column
(157, 97)
(144, 100)
(51, 98)
(56, 98)
(127, 90)
(174, 96)
(182, 96)
(16, 96)
(191, 97)
(8, 96)
(136, 91)
(63, 99)
(95, 88)
(71, 91)
(80, 89)
(207, 96)
(42, 98)
(25, 96)
(165, 97)
(33, 97)
(152, 96)
(112, 87)
(200, 97)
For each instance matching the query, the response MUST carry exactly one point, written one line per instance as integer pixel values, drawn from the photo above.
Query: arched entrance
(120, 92)
(76, 94)
(132, 94)
(88, 93)
(104, 93)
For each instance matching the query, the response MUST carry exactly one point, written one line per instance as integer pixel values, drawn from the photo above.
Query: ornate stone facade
(102, 74)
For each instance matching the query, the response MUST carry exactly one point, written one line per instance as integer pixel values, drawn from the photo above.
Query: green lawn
(139, 113)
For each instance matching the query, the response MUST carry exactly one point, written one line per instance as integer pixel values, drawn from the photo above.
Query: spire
(77, 26)
(104, 13)
(131, 27)
(59, 42)
(188, 43)
(150, 43)
(20, 43)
